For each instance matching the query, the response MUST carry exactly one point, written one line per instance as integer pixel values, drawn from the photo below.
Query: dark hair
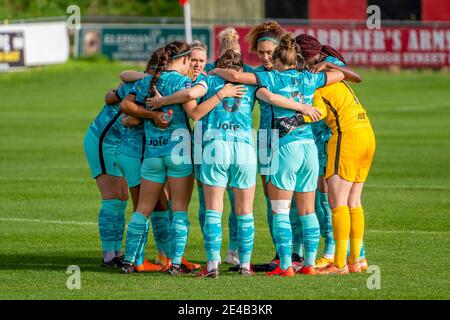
(288, 52)
(172, 51)
(310, 47)
(230, 60)
(153, 62)
(270, 29)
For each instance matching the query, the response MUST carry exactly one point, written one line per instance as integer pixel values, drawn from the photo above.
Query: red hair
(310, 47)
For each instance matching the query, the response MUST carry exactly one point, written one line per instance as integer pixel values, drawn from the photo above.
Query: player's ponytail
(162, 65)
(286, 52)
(153, 62)
(173, 51)
(310, 47)
(301, 62)
(230, 60)
(229, 39)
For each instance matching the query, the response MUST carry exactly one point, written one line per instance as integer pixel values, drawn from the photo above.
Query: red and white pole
(187, 20)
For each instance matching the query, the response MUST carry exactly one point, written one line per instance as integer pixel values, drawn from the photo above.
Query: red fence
(435, 10)
(403, 46)
(338, 9)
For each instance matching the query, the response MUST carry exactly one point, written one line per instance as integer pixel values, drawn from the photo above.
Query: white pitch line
(407, 187)
(80, 223)
(44, 179)
(84, 223)
(50, 167)
(369, 185)
(407, 231)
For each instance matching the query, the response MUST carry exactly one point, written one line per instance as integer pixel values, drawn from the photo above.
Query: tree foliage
(21, 9)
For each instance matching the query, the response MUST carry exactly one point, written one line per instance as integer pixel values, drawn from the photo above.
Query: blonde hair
(288, 52)
(229, 39)
(190, 74)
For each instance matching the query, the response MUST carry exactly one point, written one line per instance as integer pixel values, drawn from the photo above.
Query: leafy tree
(22, 9)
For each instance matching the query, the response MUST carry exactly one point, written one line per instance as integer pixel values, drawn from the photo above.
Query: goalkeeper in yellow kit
(350, 153)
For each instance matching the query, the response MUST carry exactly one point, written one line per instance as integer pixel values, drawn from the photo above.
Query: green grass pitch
(49, 203)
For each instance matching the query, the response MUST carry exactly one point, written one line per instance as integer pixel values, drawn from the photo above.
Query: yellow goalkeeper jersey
(343, 109)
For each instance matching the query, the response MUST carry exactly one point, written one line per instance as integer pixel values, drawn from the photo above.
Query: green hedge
(22, 9)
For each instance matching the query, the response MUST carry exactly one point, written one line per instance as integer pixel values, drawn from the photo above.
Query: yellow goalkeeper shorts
(350, 154)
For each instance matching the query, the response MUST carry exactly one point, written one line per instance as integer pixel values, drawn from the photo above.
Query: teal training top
(265, 115)
(160, 142)
(231, 119)
(292, 84)
(335, 61)
(107, 126)
(132, 140)
(200, 125)
(202, 79)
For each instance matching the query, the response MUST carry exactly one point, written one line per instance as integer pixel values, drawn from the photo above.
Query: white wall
(45, 43)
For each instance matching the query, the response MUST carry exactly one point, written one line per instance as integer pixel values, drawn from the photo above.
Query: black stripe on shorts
(339, 139)
(102, 138)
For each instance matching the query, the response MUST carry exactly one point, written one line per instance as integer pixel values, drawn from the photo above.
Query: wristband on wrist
(218, 96)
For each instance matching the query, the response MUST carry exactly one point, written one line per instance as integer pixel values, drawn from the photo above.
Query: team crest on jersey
(231, 108)
(188, 85)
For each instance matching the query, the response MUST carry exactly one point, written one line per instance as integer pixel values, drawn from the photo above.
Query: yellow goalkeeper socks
(356, 233)
(341, 231)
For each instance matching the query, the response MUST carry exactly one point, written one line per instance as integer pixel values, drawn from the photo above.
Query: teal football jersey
(231, 119)
(160, 142)
(200, 125)
(265, 114)
(299, 86)
(132, 140)
(335, 61)
(107, 125)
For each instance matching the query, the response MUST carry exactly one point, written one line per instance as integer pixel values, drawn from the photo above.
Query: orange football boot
(307, 270)
(332, 269)
(364, 264)
(165, 263)
(354, 268)
(190, 265)
(147, 266)
(289, 272)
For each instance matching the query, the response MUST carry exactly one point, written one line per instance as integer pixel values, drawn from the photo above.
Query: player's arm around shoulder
(196, 112)
(235, 76)
(179, 97)
(349, 74)
(319, 105)
(111, 97)
(132, 75)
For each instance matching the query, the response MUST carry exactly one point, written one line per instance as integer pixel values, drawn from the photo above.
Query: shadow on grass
(88, 262)
(36, 262)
